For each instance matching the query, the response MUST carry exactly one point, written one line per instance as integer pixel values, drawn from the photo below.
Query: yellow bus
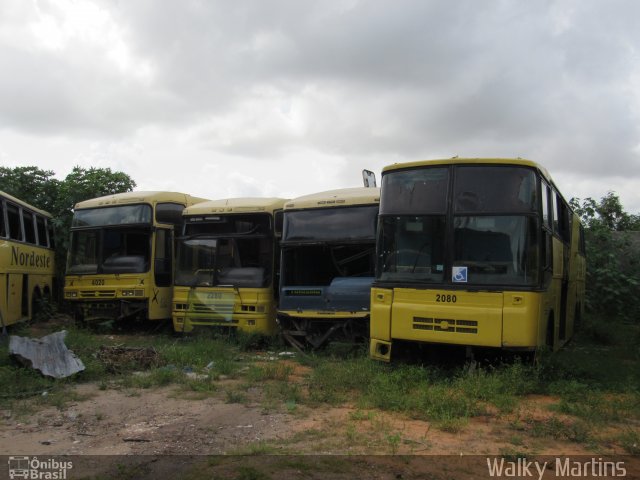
(120, 260)
(477, 253)
(27, 265)
(327, 267)
(27, 269)
(227, 265)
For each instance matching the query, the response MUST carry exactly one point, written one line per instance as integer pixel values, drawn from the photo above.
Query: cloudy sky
(287, 97)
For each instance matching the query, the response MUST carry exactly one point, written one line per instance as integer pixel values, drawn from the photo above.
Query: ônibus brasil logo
(33, 468)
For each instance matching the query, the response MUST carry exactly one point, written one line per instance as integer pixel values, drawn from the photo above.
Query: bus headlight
(128, 293)
(71, 294)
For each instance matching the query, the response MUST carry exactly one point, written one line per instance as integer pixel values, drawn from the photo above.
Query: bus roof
(139, 197)
(236, 205)
(458, 161)
(336, 198)
(24, 204)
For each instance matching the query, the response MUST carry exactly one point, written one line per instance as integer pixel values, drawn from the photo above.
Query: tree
(613, 257)
(608, 213)
(30, 184)
(82, 184)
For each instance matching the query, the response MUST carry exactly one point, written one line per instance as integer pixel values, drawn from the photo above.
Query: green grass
(573, 431)
(595, 379)
(271, 371)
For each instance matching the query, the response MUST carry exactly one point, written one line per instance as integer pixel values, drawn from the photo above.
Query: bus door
(162, 288)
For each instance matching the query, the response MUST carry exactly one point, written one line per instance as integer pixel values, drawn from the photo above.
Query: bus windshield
(331, 224)
(109, 250)
(226, 250)
(490, 238)
(104, 216)
(412, 248)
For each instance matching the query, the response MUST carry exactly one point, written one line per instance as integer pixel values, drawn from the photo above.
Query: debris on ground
(118, 359)
(49, 354)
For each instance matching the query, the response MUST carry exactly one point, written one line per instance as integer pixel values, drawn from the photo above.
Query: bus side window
(581, 245)
(52, 241)
(566, 219)
(556, 213)
(3, 228)
(278, 218)
(169, 212)
(546, 211)
(547, 218)
(42, 231)
(13, 217)
(29, 228)
(163, 264)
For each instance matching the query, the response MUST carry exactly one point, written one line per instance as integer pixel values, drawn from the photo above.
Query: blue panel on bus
(343, 294)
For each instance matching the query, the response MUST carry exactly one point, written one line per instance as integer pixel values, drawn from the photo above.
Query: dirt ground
(160, 423)
(157, 422)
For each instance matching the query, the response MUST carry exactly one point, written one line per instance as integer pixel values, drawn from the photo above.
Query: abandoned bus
(120, 261)
(328, 263)
(26, 259)
(227, 265)
(477, 253)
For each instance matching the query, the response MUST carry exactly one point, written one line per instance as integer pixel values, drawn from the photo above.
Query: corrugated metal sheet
(49, 355)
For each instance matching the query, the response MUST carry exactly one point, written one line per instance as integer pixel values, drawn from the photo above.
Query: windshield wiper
(420, 250)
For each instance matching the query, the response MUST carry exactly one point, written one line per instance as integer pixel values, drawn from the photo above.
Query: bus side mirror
(369, 178)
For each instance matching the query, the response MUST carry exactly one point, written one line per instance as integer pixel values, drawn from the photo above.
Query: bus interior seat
(249, 277)
(124, 264)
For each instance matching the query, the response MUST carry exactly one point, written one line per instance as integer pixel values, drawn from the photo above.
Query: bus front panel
(114, 296)
(249, 309)
(446, 316)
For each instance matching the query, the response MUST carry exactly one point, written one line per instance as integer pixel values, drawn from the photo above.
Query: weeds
(574, 431)
(233, 396)
(595, 381)
(271, 371)
(630, 441)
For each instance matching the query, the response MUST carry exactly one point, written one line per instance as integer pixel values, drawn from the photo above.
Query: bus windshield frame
(462, 225)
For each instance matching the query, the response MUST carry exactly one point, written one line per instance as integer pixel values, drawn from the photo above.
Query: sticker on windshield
(459, 275)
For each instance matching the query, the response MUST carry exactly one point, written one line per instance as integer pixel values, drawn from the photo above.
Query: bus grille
(97, 294)
(445, 325)
(219, 308)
